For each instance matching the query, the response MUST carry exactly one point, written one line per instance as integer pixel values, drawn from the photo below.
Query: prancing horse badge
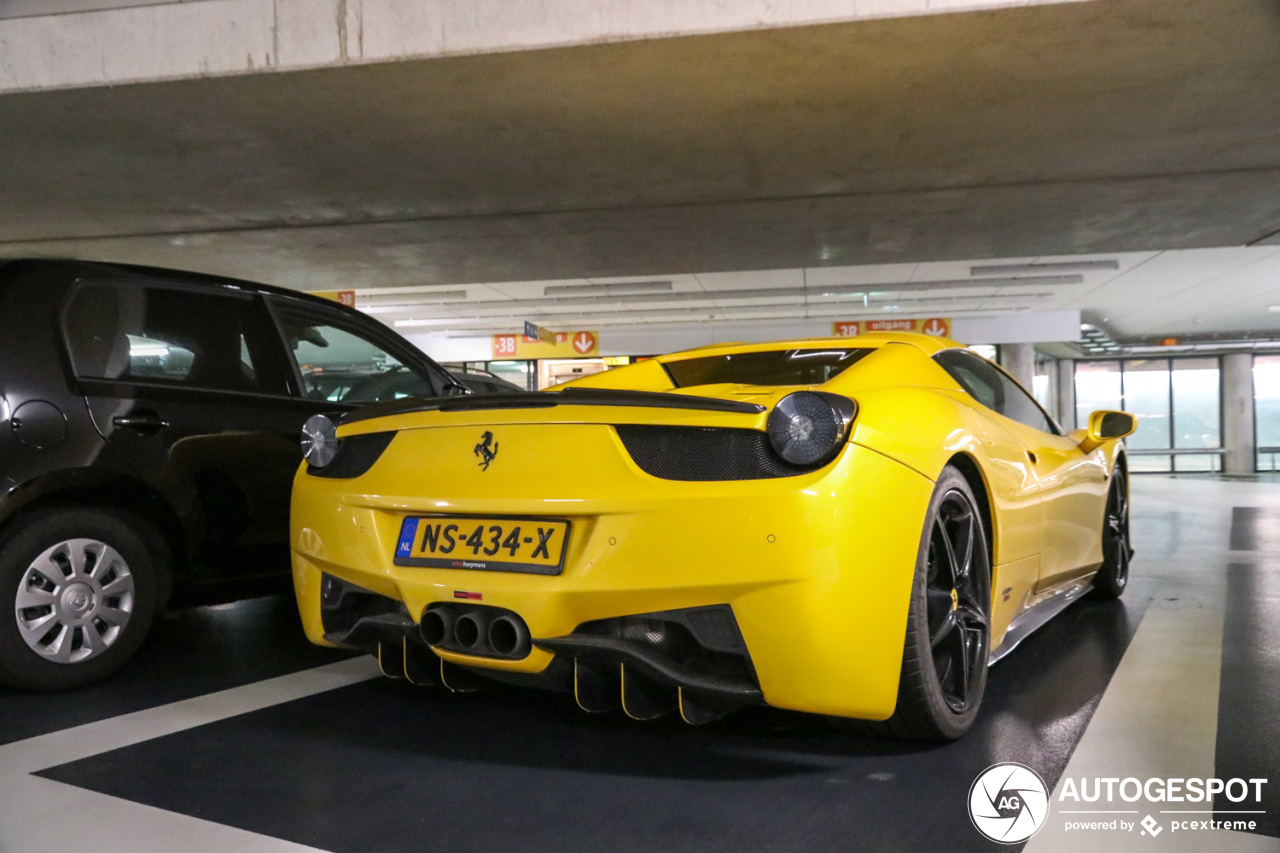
(485, 452)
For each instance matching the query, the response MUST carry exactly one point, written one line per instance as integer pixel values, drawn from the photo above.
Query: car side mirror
(1107, 425)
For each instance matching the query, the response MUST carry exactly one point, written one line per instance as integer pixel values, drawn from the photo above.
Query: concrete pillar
(1065, 397)
(1019, 360)
(1237, 413)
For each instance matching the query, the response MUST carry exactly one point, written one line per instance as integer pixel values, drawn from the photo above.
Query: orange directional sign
(584, 342)
(567, 345)
(344, 297)
(938, 327)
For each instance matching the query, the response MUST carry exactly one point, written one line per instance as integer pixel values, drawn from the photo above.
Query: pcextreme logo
(1008, 803)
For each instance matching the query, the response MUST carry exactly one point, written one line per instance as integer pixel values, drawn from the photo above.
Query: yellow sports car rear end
(643, 547)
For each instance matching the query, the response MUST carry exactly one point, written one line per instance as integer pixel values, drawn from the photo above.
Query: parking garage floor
(230, 732)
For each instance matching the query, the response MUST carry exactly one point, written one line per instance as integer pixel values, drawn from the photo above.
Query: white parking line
(1159, 715)
(39, 815)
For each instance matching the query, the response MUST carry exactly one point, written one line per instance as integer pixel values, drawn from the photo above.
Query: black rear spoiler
(550, 399)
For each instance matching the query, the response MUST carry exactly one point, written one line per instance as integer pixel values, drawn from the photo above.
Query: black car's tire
(78, 591)
(1117, 550)
(948, 637)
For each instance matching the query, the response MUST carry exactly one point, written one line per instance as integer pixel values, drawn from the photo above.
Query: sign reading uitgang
(938, 327)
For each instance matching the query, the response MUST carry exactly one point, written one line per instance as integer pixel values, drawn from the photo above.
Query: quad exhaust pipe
(509, 636)
(475, 630)
(436, 627)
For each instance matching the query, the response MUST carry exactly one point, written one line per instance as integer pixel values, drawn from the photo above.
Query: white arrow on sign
(937, 328)
(583, 342)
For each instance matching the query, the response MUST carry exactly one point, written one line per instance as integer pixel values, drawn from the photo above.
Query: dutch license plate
(533, 545)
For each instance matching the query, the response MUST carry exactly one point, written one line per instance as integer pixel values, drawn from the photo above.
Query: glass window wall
(1197, 412)
(1266, 410)
(1177, 403)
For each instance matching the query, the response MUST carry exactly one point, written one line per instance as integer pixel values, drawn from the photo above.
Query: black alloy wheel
(958, 600)
(1117, 549)
(948, 636)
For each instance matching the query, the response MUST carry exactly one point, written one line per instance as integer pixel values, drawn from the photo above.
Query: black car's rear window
(771, 367)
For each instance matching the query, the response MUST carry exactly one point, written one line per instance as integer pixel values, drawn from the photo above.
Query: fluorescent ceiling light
(406, 299)
(1032, 269)
(613, 287)
(385, 309)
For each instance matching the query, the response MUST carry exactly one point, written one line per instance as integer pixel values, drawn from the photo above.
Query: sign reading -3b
(567, 345)
(342, 297)
(937, 327)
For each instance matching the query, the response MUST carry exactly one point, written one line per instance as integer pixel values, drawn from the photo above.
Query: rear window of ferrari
(771, 367)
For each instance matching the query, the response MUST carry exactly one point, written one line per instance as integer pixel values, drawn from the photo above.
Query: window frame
(269, 363)
(1054, 427)
(354, 323)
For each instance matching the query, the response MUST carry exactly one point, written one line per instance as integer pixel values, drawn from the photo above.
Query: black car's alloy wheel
(1117, 550)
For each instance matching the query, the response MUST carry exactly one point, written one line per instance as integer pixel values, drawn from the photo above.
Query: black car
(482, 381)
(149, 434)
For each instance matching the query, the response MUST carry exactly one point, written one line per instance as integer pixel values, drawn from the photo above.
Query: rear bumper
(816, 569)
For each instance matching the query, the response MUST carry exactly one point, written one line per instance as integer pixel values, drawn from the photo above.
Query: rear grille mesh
(704, 453)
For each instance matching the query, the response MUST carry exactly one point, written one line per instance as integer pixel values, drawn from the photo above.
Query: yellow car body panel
(817, 567)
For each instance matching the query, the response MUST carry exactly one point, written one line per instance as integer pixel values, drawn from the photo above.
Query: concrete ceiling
(1098, 127)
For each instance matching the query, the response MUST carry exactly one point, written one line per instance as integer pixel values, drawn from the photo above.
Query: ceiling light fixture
(607, 288)
(406, 300)
(1051, 266)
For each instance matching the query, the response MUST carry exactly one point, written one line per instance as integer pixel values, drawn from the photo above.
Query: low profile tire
(1117, 550)
(78, 591)
(948, 638)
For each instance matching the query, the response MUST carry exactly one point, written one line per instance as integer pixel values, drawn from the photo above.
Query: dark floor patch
(1255, 528)
(1248, 744)
(388, 767)
(189, 653)
(1158, 535)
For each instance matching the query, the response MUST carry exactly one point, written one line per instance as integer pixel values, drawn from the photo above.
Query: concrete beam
(224, 37)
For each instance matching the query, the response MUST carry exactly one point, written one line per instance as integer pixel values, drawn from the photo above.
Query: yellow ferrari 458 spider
(851, 526)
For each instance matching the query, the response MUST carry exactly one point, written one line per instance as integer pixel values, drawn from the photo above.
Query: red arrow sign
(584, 342)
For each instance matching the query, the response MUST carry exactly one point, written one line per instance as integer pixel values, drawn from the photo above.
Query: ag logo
(485, 452)
(1008, 803)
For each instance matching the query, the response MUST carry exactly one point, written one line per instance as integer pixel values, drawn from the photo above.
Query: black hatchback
(149, 434)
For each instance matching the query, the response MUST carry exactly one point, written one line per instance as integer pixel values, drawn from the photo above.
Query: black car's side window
(127, 332)
(992, 388)
(342, 365)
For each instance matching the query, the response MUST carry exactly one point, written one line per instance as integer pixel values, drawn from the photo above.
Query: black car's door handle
(143, 421)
